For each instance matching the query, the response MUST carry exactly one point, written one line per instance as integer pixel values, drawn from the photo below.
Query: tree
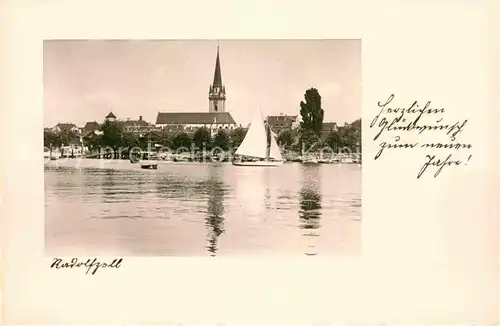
(335, 141)
(237, 136)
(93, 141)
(308, 140)
(311, 112)
(351, 135)
(66, 136)
(182, 140)
(202, 138)
(356, 124)
(130, 140)
(221, 140)
(51, 139)
(285, 138)
(167, 140)
(112, 134)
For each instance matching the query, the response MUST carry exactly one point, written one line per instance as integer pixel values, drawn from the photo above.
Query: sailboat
(259, 147)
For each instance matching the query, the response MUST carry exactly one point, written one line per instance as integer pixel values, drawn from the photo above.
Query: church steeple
(217, 74)
(217, 91)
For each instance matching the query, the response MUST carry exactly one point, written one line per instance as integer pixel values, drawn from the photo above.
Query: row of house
(131, 126)
(185, 122)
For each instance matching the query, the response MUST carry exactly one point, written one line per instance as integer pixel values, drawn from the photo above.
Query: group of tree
(113, 136)
(349, 136)
(309, 134)
(56, 140)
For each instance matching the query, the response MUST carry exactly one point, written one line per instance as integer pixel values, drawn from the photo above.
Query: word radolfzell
(89, 264)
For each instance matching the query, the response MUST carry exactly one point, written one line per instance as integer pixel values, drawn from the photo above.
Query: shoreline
(77, 161)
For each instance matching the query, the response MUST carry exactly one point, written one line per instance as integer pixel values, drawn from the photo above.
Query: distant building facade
(138, 127)
(215, 119)
(91, 127)
(190, 121)
(65, 127)
(328, 127)
(282, 122)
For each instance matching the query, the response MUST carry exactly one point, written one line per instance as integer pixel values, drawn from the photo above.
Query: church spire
(217, 91)
(217, 75)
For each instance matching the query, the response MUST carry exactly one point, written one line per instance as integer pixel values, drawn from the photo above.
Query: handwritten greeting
(392, 124)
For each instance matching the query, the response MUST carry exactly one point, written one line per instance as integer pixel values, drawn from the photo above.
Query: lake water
(95, 207)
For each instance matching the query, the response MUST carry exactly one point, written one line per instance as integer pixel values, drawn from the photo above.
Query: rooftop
(135, 123)
(198, 118)
(91, 125)
(65, 125)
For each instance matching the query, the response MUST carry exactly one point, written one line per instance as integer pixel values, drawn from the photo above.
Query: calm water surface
(115, 208)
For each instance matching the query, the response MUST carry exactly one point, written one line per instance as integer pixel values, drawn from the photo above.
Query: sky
(85, 80)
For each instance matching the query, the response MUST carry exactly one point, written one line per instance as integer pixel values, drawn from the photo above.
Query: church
(217, 117)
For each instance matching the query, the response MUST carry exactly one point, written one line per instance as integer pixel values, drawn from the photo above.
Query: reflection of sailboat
(259, 147)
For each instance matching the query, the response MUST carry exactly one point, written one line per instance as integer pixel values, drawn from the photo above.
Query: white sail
(275, 151)
(255, 142)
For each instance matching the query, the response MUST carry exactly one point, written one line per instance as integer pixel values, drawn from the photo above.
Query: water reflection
(214, 220)
(204, 210)
(214, 190)
(310, 204)
(208, 194)
(108, 182)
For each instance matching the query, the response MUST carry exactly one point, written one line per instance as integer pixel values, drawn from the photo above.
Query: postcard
(261, 162)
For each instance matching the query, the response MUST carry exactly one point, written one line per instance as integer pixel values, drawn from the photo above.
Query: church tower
(217, 91)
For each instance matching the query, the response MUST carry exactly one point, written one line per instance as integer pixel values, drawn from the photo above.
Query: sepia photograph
(202, 147)
(248, 163)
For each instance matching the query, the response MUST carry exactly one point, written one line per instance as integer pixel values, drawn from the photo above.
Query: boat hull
(148, 165)
(309, 161)
(258, 163)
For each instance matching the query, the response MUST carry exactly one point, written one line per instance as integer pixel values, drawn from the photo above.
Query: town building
(65, 127)
(190, 121)
(111, 116)
(90, 127)
(138, 127)
(215, 119)
(328, 127)
(281, 122)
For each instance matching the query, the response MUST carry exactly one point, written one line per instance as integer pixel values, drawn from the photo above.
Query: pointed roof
(217, 74)
(110, 115)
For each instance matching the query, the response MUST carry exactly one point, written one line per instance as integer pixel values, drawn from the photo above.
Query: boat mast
(268, 143)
